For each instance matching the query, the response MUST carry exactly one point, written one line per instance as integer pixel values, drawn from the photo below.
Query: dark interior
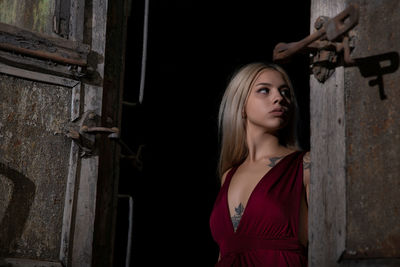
(193, 48)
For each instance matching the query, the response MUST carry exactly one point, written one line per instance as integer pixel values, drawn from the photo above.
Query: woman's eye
(263, 90)
(285, 93)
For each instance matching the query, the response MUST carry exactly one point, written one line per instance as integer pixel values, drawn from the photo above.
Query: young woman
(260, 214)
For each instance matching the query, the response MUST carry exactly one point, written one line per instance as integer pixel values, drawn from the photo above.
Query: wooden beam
(37, 65)
(41, 46)
(28, 263)
(37, 76)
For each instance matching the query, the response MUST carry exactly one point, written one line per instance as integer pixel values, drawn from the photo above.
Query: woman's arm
(306, 173)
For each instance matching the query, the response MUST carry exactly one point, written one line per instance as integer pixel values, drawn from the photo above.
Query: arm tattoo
(238, 215)
(273, 161)
(306, 162)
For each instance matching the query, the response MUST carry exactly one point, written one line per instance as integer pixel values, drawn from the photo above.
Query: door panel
(33, 119)
(38, 165)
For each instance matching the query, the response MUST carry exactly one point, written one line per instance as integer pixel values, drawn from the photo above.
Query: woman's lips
(278, 112)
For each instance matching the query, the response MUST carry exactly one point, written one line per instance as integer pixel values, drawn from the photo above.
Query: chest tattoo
(238, 215)
(273, 161)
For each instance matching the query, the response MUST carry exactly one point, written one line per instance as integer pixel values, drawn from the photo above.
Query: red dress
(267, 234)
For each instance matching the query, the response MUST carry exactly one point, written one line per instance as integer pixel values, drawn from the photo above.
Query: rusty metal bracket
(84, 130)
(330, 39)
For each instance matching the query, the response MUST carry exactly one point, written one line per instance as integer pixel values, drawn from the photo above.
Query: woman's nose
(277, 97)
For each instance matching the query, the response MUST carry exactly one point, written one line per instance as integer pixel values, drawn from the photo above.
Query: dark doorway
(193, 48)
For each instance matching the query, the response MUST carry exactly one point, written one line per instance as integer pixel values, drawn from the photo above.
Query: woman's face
(268, 105)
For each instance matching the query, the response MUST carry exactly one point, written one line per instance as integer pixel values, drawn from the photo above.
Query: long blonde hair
(230, 119)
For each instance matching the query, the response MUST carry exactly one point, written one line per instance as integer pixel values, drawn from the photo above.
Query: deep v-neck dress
(268, 231)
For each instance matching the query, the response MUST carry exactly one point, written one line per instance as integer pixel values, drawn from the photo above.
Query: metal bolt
(320, 22)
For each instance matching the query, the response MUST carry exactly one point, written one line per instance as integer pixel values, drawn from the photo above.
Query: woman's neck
(264, 145)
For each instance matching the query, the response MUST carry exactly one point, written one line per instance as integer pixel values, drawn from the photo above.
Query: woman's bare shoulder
(307, 159)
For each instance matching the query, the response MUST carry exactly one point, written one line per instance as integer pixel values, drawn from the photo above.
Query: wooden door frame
(113, 85)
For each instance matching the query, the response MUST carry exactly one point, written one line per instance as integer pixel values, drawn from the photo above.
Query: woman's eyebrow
(269, 84)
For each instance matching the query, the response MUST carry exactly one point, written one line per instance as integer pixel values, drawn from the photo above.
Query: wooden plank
(81, 252)
(57, 41)
(14, 262)
(70, 202)
(62, 17)
(77, 20)
(41, 46)
(327, 210)
(39, 65)
(35, 76)
(76, 102)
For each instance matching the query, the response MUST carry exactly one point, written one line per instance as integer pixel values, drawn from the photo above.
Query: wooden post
(327, 191)
(355, 145)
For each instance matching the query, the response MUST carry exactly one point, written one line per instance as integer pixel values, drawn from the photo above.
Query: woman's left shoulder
(306, 156)
(306, 159)
(302, 153)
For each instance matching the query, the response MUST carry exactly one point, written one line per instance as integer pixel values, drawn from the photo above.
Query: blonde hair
(230, 119)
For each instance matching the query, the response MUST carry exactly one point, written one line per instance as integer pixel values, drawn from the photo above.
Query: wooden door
(57, 195)
(355, 145)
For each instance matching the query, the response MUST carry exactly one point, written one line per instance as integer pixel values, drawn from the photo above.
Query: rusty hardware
(112, 132)
(330, 38)
(84, 131)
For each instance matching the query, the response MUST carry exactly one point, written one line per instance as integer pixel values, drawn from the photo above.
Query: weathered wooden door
(58, 180)
(355, 144)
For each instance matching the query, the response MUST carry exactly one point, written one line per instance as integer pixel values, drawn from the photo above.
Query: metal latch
(84, 131)
(325, 44)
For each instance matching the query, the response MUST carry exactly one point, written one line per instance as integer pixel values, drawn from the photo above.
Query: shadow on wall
(15, 216)
(378, 66)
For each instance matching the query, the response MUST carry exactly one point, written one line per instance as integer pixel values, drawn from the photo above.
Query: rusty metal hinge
(84, 130)
(330, 39)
